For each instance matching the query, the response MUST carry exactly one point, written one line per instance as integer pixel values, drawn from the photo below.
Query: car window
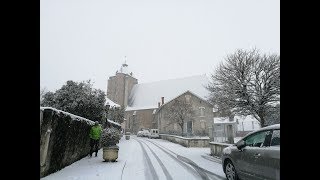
(267, 139)
(257, 139)
(275, 140)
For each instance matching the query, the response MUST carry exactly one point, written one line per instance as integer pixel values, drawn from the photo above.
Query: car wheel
(231, 173)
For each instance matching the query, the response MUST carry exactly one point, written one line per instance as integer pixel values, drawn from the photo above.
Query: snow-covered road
(146, 159)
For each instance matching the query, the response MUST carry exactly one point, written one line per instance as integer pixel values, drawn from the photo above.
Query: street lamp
(107, 110)
(125, 125)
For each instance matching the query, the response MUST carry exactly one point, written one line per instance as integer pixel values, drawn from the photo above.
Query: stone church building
(146, 103)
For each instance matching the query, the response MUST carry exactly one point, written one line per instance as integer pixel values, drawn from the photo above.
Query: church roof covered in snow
(147, 95)
(111, 103)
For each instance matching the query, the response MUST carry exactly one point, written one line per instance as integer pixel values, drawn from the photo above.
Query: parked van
(154, 133)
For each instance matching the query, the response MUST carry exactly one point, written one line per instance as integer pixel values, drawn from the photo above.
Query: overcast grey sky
(162, 39)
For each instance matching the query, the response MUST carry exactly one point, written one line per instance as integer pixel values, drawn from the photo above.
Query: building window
(175, 127)
(202, 124)
(188, 97)
(202, 111)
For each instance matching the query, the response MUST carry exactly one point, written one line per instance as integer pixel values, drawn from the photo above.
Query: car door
(271, 158)
(251, 158)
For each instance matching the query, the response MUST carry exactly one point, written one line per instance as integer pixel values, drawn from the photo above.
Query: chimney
(162, 100)
(158, 104)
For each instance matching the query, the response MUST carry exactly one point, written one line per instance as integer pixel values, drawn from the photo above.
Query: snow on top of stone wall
(73, 117)
(194, 137)
(110, 121)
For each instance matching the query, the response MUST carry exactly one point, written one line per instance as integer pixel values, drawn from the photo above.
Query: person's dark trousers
(94, 146)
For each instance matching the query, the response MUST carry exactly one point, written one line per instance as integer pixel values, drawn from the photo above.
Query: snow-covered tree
(43, 91)
(248, 82)
(79, 99)
(273, 115)
(116, 114)
(47, 99)
(179, 112)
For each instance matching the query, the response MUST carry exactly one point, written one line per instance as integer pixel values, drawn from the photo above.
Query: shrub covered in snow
(110, 137)
(78, 98)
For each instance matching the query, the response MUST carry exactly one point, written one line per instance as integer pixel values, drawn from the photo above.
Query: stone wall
(64, 139)
(186, 142)
(216, 148)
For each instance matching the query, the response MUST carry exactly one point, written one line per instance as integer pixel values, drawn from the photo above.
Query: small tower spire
(125, 62)
(124, 66)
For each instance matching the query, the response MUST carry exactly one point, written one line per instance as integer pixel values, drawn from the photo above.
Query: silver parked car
(255, 156)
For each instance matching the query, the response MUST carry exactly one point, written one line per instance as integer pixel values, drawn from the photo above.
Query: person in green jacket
(95, 134)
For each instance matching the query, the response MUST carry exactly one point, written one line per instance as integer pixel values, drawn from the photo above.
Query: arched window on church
(202, 111)
(188, 98)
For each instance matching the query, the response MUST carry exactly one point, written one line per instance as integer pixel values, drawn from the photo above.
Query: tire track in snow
(211, 159)
(186, 160)
(188, 168)
(123, 168)
(164, 169)
(199, 169)
(154, 175)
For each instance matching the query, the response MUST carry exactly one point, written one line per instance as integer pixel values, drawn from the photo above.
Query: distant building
(246, 124)
(198, 125)
(221, 128)
(143, 100)
(240, 126)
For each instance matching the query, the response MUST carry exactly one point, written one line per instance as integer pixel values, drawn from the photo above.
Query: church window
(202, 111)
(188, 97)
(202, 124)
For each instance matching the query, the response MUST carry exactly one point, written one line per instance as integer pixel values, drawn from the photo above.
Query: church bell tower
(120, 85)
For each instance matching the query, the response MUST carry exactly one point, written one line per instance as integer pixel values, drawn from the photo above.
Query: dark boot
(96, 154)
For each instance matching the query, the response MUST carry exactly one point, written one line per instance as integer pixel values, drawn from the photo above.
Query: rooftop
(147, 95)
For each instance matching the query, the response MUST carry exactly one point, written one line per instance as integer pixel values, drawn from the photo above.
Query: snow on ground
(172, 165)
(95, 169)
(194, 154)
(141, 159)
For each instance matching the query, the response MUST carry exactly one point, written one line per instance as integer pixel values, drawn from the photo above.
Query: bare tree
(247, 83)
(179, 112)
